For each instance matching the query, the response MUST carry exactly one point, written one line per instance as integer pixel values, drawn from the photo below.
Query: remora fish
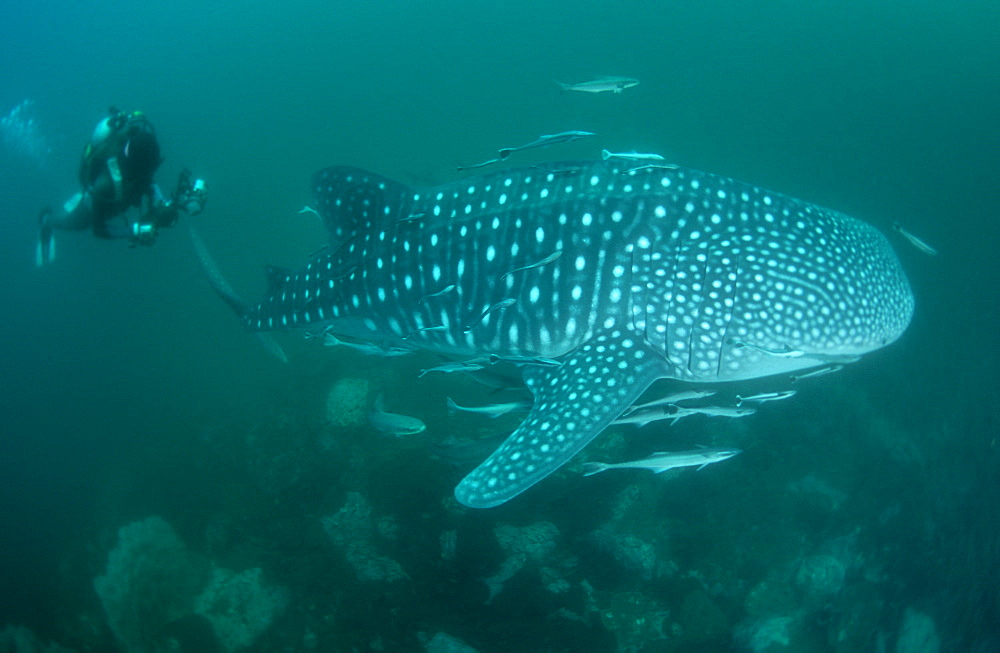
(366, 348)
(601, 85)
(393, 423)
(664, 460)
(491, 410)
(672, 398)
(544, 141)
(658, 273)
(919, 243)
(631, 156)
(766, 396)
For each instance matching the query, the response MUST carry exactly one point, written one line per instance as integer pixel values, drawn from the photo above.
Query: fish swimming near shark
(662, 272)
(662, 461)
(601, 85)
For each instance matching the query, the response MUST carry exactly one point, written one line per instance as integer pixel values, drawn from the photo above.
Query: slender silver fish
(548, 259)
(544, 141)
(631, 156)
(448, 368)
(499, 306)
(366, 348)
(473, 166)
(766, 396)
(393, 423)
(713, 411)
(641, 418)
(919, 243)
(822, 371)
(309, 209)
(673, 398)
(652, 166)
(601, 85)
(662, 461)
(444, 290)
(492, 410)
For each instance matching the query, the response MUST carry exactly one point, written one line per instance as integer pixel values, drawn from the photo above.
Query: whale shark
(614, 276)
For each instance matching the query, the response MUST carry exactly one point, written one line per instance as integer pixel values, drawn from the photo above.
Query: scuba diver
(116, 174)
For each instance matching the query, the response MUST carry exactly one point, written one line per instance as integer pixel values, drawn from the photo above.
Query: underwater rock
(636, 620)
(771, 634)
(701, 617)
(917, 634)
(354, 529)
(628, 550)
(18, 639)
(240, 606)
(150, 580)
(445, 643)
(522, 544)
(820, 575)
(347, 403)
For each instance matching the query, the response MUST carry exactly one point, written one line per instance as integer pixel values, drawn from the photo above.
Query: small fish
(366, 348)
(412, 217)
(424, 330)
(684, 395)
(492, 410)
(545, 261)
(713, 411)
(641, 418)
(663, 460)
(309, 209)
(823, 371)
(480, 165)
(545, 141)
(652, 166)
(448, 368)
(393, 423)
(444, 290)
(766, 396)
(499, 306)
(601, 85)
(784, 352)
(916, 242)
(631, 156)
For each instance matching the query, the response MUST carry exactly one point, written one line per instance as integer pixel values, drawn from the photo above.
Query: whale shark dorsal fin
(569, 411)
(353, 201)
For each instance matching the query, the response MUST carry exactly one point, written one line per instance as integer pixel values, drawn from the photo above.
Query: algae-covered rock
(917, 634)
(150, 580)
(636, 620)
(347, 402)
(240, 606)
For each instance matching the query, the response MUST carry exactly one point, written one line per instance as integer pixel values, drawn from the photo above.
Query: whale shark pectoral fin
(574, 402)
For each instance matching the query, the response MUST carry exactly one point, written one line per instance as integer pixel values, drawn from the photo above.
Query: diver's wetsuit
(116, 174)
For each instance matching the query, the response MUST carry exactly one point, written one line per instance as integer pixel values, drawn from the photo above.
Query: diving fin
(45, 249)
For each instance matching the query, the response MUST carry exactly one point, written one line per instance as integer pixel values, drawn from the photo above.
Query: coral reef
(354, 530)
(150, 580)
(523, 544)
(240, 606)
(917, 634)
(347, 403)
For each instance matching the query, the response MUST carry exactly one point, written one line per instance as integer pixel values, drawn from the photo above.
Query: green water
(128, 390)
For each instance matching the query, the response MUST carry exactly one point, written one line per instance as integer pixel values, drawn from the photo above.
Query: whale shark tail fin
(228, 295)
